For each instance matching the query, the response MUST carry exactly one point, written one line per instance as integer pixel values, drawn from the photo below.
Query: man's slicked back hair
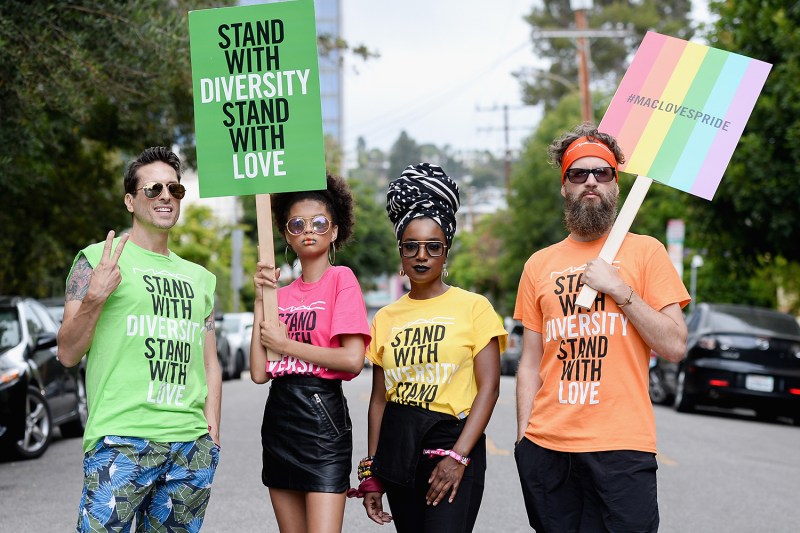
(148, 156)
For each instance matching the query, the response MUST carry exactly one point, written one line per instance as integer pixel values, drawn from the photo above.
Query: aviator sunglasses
(601, 174)
(432, 248)
(319, 225)
(154, 188)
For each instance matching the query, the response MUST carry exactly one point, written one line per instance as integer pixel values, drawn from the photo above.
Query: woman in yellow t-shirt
(436, 373)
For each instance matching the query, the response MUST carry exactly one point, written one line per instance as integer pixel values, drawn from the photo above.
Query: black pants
(411, 514)
(613, 491)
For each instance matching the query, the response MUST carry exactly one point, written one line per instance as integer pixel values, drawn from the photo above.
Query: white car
(235, 326)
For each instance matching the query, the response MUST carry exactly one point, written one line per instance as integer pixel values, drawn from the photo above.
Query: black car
(737, 356)
(37, 393)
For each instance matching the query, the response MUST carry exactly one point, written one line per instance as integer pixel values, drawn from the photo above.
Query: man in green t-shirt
(144, 317)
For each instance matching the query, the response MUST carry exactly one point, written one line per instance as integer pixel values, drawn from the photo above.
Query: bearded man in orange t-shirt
(586, 439)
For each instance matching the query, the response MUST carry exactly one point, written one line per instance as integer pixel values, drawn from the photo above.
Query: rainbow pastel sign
(680, 110)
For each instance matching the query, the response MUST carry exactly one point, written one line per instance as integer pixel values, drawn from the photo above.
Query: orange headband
(584, 147)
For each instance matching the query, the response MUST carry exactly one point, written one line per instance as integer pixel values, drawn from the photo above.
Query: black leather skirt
(306, 435)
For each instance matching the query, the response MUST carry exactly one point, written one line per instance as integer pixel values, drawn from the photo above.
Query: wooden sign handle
(266, 254)
(618, 232)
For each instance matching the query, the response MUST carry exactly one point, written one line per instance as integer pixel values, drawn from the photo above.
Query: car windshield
(753, 321)
(10, 331)
(230, 324)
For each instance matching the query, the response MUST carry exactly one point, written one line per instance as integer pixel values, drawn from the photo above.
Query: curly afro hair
(337, 199)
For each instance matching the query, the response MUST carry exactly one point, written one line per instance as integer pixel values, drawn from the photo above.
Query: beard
(591, 219)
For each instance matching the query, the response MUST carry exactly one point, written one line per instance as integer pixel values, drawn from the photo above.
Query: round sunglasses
(154, 188)
(319, 225)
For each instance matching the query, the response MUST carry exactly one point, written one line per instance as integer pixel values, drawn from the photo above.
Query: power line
(506, 128)
(409, 113)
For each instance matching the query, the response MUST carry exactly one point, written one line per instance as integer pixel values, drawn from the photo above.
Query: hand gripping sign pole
(251, 65)
(266, 254)
(618, 231)
(678, 114)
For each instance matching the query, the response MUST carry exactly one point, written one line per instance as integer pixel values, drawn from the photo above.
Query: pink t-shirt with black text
(317, 313)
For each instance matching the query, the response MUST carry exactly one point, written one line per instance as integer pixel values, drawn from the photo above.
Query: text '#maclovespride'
(679, 110)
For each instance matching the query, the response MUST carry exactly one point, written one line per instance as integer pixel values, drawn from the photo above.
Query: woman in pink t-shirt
(322, 335)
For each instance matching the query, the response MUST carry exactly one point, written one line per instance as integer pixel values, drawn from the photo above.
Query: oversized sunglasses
(432, 248)
(319, 224)
(601, 174)
(154, 188)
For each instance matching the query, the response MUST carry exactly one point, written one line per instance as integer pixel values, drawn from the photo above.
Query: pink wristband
(438, 451)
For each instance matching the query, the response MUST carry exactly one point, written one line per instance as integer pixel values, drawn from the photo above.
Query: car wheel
(75, 428)
(239, 366)
(683, 402)
(223, 364)
(658, 391)
(38, 426)
(767, 415)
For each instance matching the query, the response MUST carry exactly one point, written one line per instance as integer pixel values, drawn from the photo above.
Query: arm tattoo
(210, 321)
(78, 283)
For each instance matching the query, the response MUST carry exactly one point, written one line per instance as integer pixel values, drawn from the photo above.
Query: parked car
(509, 359)
(223, 348)
(738, 356)
(37, 393)
(245, 347)
(660, 391)
(234, 327)
(54, 306)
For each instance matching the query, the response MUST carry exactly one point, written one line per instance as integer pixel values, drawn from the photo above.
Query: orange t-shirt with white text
(594, 369)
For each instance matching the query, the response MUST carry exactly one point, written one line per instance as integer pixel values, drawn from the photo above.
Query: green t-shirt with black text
(145, 374)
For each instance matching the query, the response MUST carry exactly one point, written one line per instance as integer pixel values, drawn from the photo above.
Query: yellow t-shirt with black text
(426, 349)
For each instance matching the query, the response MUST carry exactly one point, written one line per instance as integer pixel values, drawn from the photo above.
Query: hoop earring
(286, 257)
(402, 272)
(332, 248)
(445, 273)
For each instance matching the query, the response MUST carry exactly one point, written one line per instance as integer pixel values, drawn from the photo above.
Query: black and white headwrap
(423, 190)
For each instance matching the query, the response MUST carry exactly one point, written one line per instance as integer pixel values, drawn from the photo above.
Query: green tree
(373, 249)
(474, 262)
(201, 238)
(405, 151)
(608, 55)
(751, 225)
(371, 165)
(84, 86)
(535, 207)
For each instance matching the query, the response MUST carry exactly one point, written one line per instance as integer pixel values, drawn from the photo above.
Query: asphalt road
(718, 472)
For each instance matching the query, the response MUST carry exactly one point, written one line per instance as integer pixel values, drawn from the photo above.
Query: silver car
(510, 358)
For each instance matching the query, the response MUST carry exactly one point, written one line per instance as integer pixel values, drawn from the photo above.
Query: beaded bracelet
(365, 467)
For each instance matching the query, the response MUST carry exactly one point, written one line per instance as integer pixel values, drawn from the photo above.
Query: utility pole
(506, 128)
(580, 6)
(581, 34)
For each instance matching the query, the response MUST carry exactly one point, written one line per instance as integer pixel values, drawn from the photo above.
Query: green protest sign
(258, 119)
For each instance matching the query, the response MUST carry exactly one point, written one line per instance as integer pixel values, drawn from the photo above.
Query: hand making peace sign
(106, 276)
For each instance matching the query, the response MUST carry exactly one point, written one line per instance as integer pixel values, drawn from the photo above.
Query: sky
(444, 74)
